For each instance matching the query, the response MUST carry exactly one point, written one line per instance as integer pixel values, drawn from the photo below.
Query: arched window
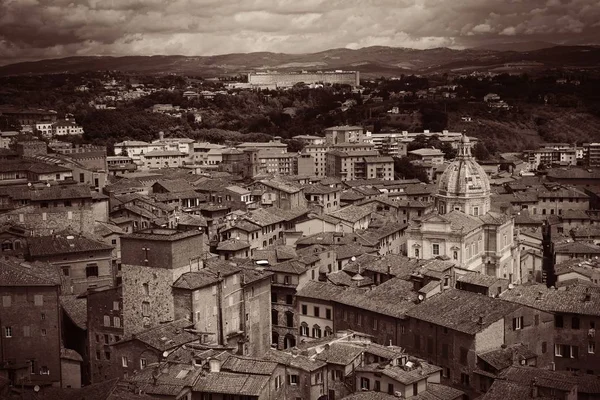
(7, 245)
(274, 317)
(274, 339)
(316, 331)
(289, 319)
(304, 329)
(17, 244)
(417, 254)
(328, 331)
(289, 341)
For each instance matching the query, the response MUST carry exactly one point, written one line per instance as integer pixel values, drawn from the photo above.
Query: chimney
(480, 321)
(389, 269)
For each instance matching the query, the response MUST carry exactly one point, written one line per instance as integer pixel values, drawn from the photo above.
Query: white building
(463, 228)
(66, 127)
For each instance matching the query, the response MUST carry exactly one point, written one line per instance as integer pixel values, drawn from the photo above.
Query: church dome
(464, 185)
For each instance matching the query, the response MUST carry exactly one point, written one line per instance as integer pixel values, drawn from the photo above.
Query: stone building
(84, 262)
(151, 261)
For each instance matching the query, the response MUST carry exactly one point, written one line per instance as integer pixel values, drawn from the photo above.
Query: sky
(38, 29)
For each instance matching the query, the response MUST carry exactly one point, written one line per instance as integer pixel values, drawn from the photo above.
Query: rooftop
(40, 246)
(574, 299)
(462, 311)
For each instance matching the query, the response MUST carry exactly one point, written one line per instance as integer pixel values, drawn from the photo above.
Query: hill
(373, 61)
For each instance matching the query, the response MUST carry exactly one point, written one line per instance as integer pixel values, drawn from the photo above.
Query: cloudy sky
(36, 29)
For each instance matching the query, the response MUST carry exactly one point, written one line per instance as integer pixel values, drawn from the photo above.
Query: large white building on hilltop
(463, 228)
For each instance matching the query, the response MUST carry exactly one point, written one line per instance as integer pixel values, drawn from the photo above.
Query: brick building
(151, 261)
(453, 327)
(104, 328)
(31, 325)
(228, 302)
(85, 263)
(576, 314)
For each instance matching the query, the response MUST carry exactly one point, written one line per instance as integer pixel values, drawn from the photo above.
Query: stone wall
(47, 221)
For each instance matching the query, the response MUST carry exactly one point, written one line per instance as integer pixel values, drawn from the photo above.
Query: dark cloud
(32, 29)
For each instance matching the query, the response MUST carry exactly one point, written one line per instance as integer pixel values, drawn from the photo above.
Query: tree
(124, 151)
(481, 152)
(404, 169)
(295, 146)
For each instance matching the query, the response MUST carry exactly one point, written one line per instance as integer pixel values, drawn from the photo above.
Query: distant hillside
(371, 61)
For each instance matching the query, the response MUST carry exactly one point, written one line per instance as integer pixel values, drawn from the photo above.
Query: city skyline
(40, 29)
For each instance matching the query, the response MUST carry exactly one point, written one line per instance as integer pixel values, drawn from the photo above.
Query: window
(444, 350)
(317, 311)
(544, 347)
(575, 323)
(365, 383)
(375, 324)
(558, 321)
(303, 329)
(117, 322)
(66, 271)
(91, 271)
(273, 296)
(275, 317)
(286, 280)
(43, 331)
(377, 387)
(390, 388)
(416, 253)
(26, 331)
(293, 379)
(591, 347)
(304, 309)
(464, 379)
(146, 289)
(289, 299)
(7, 331)
(316, 331)
(415, 389)
(278, 382)
(328, 313)
(289, 319)
(145, 309)
(43, 316)
(463, 355)
(517, 323)
(115, 305)
(106, 320)
(44, 370)
(435, 249)
(38, 299)
(143, 363)
(107, 355)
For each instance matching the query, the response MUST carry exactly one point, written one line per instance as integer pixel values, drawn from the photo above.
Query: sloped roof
(232, 383)
(574, 299)
(40, 246)
(351, 213)
(14, 273)
(175, 185)
(505, 357)
(248, 365)
(461, 311)
(167, 336)
(76, 308)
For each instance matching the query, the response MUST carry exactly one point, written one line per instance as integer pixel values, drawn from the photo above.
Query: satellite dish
(36, 388)
(353, 258)
(421, 297)
(48, 184)
(511, 286)
(165, 354)
(29, 184)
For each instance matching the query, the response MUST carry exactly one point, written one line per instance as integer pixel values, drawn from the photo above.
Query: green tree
(404, 169)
